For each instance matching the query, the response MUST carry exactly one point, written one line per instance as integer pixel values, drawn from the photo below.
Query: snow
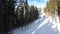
(58, 27)
(46, 29)
(42, 25)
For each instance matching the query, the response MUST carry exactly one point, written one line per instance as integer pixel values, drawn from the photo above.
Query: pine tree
(7, 13)
(58, 4)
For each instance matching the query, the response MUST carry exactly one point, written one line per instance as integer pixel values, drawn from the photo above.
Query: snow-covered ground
(42, 25)
(46, 28)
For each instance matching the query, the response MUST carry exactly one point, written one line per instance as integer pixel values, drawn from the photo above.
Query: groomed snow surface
(44, 25)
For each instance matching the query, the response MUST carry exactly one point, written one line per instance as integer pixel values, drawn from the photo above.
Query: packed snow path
(40, 26)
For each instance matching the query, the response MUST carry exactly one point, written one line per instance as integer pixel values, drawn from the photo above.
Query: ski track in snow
(38, 28)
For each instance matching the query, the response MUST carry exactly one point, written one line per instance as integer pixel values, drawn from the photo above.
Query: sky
(38, 3)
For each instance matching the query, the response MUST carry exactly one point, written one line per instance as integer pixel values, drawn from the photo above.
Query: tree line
(9, 18)
(52, 7)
